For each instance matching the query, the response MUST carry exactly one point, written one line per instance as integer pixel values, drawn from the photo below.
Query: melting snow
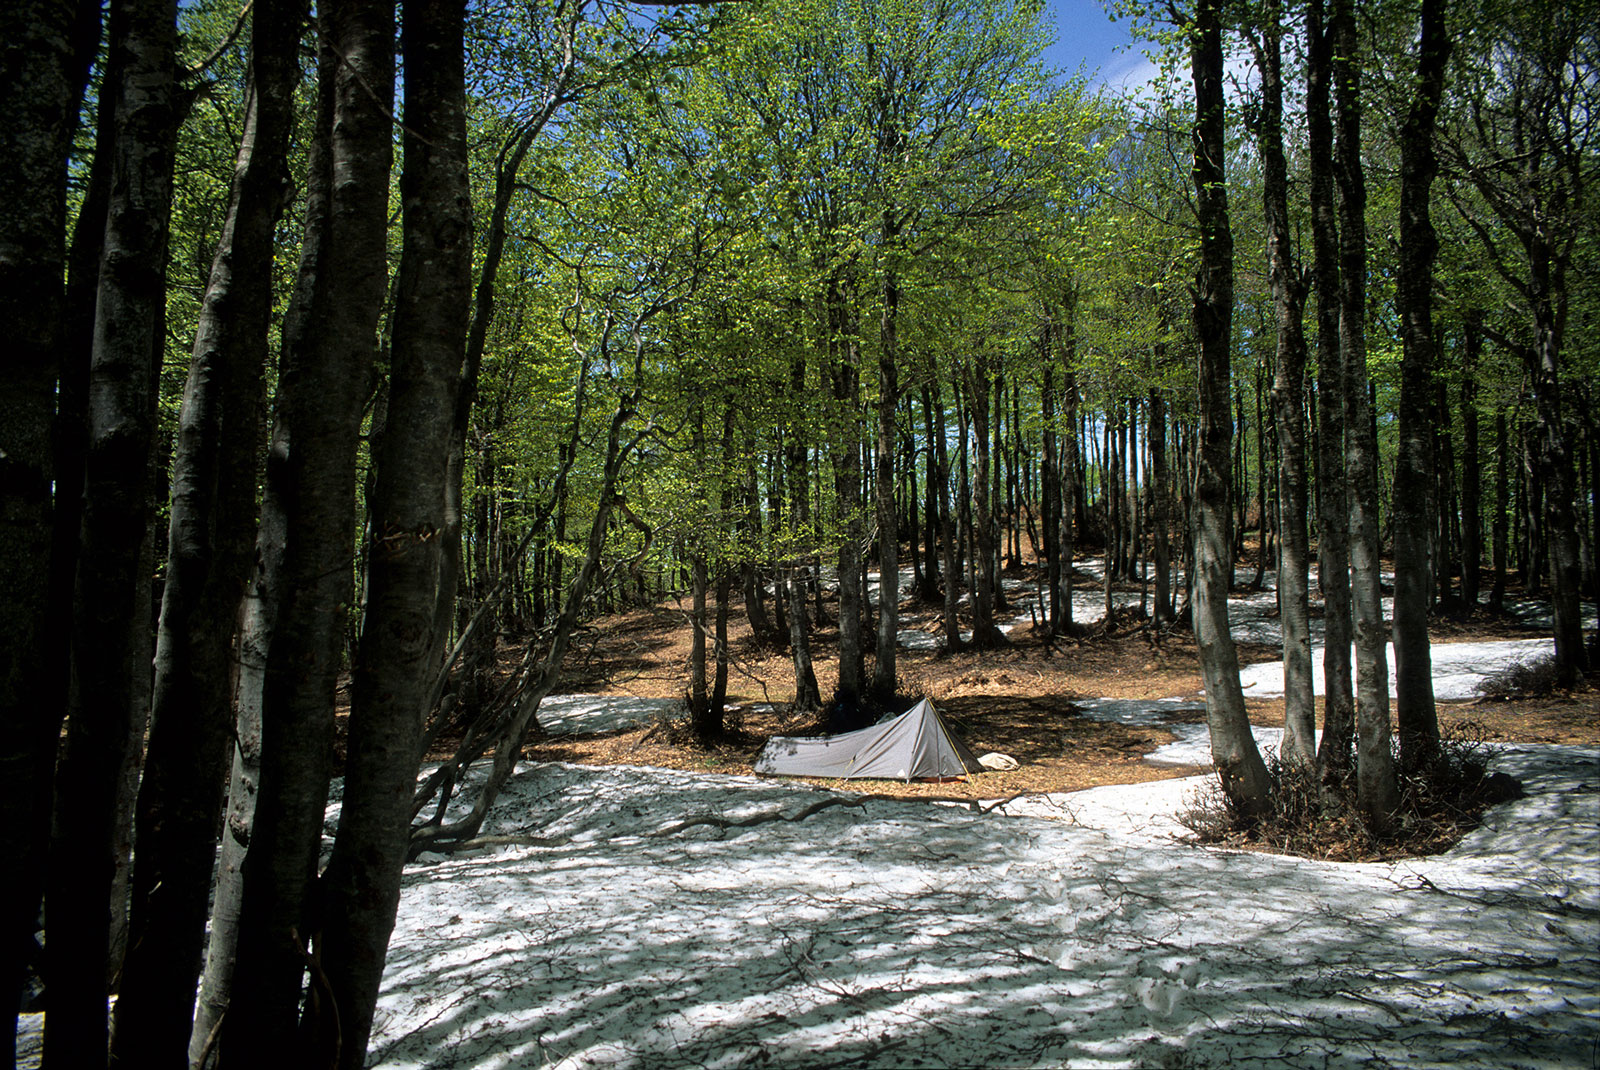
(1069, 930)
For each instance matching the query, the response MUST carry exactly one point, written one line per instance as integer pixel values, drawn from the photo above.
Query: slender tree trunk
(1447, 533)
(257, 623)
(1051, 481)
(1336, 752)
(752, 573)
(1417, 716)
(142, 643)
(123, 383)
(985, 636)
(210, 545)
(939, 474)
(884, 680)
(1555, 458)
(996, 493)
(43, 70)
(847, 486)
(1471, 467)
(1071, 466)
(397, 660)
(936, 508)
(1288, 392)
(806, 694)
(1233, 747)
(1502, 505)
(323, 390)
(1265, 514)
(1160, 520)
(1377, 790)
(1241, 463)
(715, 723)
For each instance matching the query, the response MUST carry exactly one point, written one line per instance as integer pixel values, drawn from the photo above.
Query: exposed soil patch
(1017, 700)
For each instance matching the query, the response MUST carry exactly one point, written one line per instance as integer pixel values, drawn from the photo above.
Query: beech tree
(123, 368)
(1413, 498)
(44, 68)
(1233, 748)
(1289, 287)
(212, 536)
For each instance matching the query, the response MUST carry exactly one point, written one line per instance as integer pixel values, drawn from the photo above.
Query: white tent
(915, 744)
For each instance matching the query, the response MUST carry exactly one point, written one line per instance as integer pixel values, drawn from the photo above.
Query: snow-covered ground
(1062, 930)
(1458, 668)
(1071, 931)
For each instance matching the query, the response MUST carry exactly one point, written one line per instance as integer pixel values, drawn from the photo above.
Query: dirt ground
(1018, 700)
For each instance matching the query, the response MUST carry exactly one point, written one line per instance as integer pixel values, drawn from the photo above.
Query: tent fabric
(915, 744)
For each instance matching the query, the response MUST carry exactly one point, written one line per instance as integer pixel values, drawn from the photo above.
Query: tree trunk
(1471, 467)
(714, 724)
(397, 661)
(1288, 392)
(142, 643)
(1050, 479)
(1502, 506)
(806, 694)
(884, 680)
(1160, 520)
(257, 623)
(1377, 790)
(936, 506)
(210, 544)
(1546, 293)
(322, 391)
(1233, 747)
(1333, 500)
(1071, 467)
(847, 486)
(985, 636)
(42, 77)
(1416, 713)
(123, 384)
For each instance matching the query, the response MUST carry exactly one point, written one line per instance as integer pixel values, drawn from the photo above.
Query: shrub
(1522, 679)
(1439, 804)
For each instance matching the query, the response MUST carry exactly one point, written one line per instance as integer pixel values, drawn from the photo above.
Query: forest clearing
(447, 448)
(665, 908)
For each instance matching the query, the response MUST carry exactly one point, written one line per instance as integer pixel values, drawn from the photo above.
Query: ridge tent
(915, 744)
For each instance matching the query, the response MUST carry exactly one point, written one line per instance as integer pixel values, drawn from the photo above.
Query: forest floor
(649, 904)
(1039, 699)
(646, 903)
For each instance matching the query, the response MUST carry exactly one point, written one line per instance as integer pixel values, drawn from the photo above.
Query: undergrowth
(1535, 677)
(1439, 804)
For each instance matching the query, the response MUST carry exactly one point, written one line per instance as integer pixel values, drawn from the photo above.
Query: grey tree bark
(1233, 747)
(322, 391)
(123, 380)
(1336, 753)
(1413, 481)
(985, 635)
(884, 679)
(392, 677)
(1377, 790)
(1071, 468)
(43, 71)
(211, 538)
(1471, 466)
(258, 612)
(845, 370)
(1288, 400)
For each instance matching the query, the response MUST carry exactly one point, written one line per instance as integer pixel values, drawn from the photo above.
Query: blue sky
(1087, 37)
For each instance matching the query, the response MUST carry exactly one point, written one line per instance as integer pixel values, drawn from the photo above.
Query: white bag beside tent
(915, 744)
